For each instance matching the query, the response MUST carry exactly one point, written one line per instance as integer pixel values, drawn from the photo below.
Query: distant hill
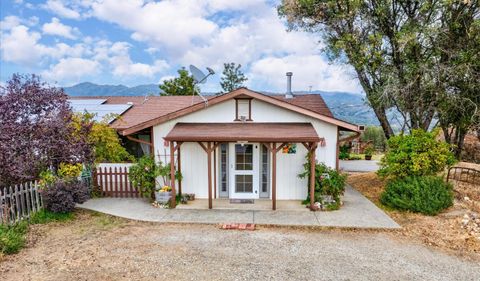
(345, 106)
(88, 89)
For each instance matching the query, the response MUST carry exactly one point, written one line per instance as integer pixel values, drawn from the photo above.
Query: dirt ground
(445, 231)
(100, 247)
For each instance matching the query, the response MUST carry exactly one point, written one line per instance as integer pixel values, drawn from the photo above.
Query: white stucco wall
(194, 158)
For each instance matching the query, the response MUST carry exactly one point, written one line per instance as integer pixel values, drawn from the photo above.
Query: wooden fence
(463, 174)
(19, 202)
(114, 182)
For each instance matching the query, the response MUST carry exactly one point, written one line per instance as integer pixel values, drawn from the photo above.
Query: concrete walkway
(357, 212)
(359, 165)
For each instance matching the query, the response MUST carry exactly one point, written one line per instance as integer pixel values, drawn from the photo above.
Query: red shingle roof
(145, 109)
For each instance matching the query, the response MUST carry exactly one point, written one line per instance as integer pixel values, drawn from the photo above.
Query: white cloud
(309, 70)
(123, 65)
(58, 7)
(21, 46)
(9, 22)
(72, 70)
(55, 27)
(171, 25)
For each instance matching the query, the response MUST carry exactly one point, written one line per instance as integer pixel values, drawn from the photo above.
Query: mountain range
(345, 106)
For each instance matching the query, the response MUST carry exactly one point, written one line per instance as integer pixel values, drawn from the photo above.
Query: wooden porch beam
(139, 141)
(179, 164)
(209, 159)
(209, 149)
(173, 200)
(274, 176)
(203, 146)
(313, 147)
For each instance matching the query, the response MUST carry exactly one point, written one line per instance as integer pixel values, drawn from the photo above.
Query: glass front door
(244, 170)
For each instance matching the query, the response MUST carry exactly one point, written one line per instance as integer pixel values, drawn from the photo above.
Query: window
(264, 172)
(223, 170)
(244, 183)
(243, 157)
(243, 109)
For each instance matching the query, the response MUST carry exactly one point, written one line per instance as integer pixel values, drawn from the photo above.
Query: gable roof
(151, 111)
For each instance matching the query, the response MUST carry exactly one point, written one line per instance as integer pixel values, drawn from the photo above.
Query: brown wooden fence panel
(114, 182)
(19, 202)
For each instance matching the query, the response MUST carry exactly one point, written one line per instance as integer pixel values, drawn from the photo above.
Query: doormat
(239, 226)
(242, 201)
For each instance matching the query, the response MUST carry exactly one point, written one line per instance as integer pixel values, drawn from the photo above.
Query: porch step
(239, 226)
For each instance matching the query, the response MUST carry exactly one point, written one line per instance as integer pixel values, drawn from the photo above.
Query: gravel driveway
(101, 248)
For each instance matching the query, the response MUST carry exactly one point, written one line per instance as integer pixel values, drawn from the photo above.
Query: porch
(259, 204)
(244, 140)
(357, 212)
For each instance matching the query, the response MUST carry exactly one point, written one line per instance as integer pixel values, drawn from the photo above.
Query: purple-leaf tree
(36, 130)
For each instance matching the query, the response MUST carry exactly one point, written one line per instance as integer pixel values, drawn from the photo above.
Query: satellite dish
(200, 78)
(198, 75)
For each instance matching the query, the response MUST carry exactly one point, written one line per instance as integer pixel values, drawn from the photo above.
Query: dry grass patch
(444, 231)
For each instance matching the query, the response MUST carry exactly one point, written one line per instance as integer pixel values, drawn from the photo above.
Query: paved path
(359, 165)
(357, 212)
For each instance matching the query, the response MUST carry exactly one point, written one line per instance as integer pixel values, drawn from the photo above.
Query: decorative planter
(163, 197)
(368, 157)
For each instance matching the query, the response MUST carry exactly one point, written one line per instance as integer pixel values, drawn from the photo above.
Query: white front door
(244, 179)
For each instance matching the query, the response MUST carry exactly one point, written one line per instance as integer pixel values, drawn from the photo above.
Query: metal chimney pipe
(289, 94)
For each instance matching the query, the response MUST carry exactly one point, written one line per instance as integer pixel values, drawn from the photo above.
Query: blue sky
(135, 42)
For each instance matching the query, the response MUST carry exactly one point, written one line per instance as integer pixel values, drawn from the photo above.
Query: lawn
(445, 231)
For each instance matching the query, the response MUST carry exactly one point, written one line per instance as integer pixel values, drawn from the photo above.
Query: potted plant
(163, 195)
(368, 152)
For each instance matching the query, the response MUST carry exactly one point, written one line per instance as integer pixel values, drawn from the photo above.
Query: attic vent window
(243, 110)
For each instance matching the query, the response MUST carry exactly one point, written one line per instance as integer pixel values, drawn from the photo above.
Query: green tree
(403, 52)
(376, 135)
(183, 85)
(232, 77)
(104, 139)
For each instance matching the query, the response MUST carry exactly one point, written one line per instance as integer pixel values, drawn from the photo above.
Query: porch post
(313, 147)
(337, 161)
(179, 168)
(209, 156)
(173, 200)
(215, 173)
(274, 176)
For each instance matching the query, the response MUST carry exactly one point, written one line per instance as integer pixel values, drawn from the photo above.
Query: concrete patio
(357, 212)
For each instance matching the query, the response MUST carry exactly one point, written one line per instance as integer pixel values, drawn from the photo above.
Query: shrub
(62, 196)
(427, 194)
(69, 171)
(12, 237)
(417, 154)
(344, 152)
(327, 182)
(369, 150)
(143, 175)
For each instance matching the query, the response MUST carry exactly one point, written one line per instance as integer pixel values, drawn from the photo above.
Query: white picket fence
(19, 202)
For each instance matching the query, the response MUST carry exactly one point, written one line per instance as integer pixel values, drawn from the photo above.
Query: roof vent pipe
(289, 94)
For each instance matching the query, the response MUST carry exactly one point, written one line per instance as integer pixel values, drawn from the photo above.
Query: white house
(242, 144)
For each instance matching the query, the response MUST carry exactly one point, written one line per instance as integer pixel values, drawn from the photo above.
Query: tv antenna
(200, 78)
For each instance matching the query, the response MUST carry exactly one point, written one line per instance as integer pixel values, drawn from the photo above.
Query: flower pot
(368, 157)
(163, 197)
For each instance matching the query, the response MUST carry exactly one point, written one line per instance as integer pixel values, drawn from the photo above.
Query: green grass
(12, 237)
(45, 216)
